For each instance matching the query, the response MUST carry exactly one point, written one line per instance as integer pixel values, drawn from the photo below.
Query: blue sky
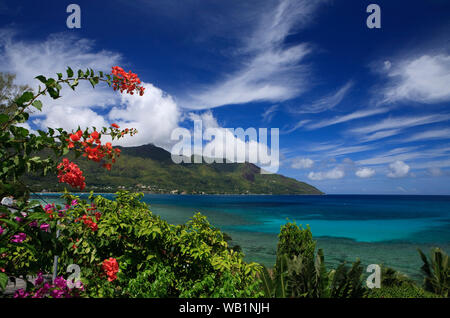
(359, 110)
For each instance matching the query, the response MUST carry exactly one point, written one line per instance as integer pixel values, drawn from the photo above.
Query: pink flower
(44, 227)
(18, 238)
(40, 279)
(21, 293)
(1, 230)
(33, 224)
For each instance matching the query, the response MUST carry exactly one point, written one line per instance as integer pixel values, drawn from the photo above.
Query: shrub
(155, 259)
(403, 291)
(294, 240)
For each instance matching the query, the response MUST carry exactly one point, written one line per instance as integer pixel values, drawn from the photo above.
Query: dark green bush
(404, 291)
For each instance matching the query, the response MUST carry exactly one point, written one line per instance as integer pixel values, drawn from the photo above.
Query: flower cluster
(58, 289)
(69, 173)
(87, 220)
(111, 267)
(18, 238)
(128, 82)
(90, 145)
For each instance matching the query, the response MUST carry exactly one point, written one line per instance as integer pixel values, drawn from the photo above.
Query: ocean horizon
(377, 229)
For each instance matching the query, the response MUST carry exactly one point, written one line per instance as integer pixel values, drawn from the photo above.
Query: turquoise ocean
(377, 229)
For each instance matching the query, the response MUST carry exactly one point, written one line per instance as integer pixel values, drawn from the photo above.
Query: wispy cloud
(443, 133)
(298, 125)
(405, 154)
(401, 122)
(271, 71)
(325, 103)
(269, 113)
(345, 118)
(348, 150)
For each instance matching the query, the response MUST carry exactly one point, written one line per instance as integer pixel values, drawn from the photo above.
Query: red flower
(69, 173)
(111, 267)
(115, 125)
(95, 135)
(128, 82)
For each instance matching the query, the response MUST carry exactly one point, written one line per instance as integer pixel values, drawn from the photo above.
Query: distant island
(150, 169)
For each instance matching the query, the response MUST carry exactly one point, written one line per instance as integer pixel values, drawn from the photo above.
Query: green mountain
(149, 168)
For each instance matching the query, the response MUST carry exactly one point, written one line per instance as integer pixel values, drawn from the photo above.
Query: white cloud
(365, 172)
(228, 144)
(271, 71)
(423, 79)
(154, 115)
(302, 163)
(335, 173)
(398, 169)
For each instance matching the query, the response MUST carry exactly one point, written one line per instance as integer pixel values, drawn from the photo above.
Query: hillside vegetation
(150, 169)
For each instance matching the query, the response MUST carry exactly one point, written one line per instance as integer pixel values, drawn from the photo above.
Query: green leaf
(59, 75)
(41, 78)
(26, 97)
(3, 281)
(3, 118)
(37, 104)
(69, 72)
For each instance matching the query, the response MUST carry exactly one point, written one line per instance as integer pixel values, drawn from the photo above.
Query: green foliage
(20, 150)
(347, 281)
(307, 277)
(275, 285)
(392, 278)
(8, 93)
(295, 241)
(437, 272)
(403, 291)
(156, 259)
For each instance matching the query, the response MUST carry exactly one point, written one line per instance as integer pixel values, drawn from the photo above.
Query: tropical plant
(437, 272)
(274, 285)
(347, 282)
(308, 277)
(391, 278)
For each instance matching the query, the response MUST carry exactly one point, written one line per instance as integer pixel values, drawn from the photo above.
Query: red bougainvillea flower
(87, 220)
(115, 125)
(68, 172)
(111, 267)
(128, 82)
